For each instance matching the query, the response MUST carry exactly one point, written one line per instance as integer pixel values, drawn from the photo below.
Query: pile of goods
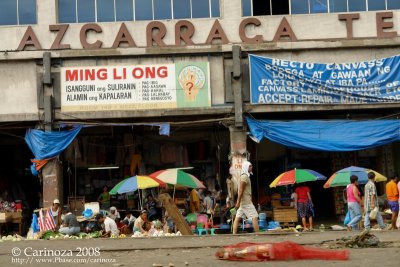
(6, 206)
(156, 233)
(51, 235)
(11, 238)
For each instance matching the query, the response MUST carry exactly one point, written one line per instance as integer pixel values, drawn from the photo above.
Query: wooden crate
(5, 217)
(15, 215)
(285, 215)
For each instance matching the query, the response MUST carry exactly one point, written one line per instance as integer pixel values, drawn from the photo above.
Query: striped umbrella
(342, 177)
(297, 176)
(177, 177)
(134, 183)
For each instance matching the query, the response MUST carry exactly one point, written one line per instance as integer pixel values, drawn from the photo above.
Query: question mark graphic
(190, 85)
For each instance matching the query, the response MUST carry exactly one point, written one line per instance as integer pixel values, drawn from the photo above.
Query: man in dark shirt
(70, 224)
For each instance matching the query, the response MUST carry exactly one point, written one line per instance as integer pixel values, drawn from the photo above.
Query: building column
(52, 171)
(52, 182)
(238, 137)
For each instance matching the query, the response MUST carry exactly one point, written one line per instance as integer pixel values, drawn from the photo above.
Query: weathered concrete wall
(18, 93)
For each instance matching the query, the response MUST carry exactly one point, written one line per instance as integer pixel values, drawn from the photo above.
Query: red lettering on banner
(121, 76)
(86, 74)
(71, 75)
(162, 72)
(137, 73)
(150, 72)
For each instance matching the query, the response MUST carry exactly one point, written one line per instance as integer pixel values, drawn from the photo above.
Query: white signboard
(135, 87)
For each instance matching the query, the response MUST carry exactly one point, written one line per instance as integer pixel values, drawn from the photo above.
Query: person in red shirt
(304, 205)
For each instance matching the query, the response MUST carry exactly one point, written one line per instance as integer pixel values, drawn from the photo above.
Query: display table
(285, 214)
(11, 218)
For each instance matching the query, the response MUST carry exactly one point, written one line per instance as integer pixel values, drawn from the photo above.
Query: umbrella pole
(140, 200)
(173, 195)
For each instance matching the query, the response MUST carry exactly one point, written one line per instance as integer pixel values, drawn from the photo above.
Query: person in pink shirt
(353, 203)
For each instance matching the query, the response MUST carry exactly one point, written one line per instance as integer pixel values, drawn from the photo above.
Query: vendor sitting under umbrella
(129, 219)
(114, 214)
(108, 224)
(70, 225)
(140, 222)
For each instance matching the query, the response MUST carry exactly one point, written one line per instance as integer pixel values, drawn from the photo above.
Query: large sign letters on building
(179, 85)
(277, 81)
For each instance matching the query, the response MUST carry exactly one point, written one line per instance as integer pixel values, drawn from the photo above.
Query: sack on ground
(373, 213)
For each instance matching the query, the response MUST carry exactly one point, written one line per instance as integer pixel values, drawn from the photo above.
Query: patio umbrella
(134, 183)
(342, 177)
(297, 176)
(177, 177)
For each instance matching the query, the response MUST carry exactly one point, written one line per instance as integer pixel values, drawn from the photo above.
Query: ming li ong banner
(277, 81)
(131, 87)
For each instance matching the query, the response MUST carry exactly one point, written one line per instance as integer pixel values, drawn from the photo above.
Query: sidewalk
(199, 251)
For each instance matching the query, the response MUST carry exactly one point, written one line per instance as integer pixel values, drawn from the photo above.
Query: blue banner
(278, 81)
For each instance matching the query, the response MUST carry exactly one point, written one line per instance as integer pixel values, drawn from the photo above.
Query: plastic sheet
(284, 251)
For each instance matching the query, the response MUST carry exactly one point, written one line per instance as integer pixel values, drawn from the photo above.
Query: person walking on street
(392, 194)
(353, 203)
(244, 204)
(371, 202)
(304, 205)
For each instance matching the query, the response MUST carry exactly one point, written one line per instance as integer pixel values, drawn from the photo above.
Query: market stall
(10, 214)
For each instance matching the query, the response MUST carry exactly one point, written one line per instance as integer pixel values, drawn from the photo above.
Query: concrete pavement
(179, 251)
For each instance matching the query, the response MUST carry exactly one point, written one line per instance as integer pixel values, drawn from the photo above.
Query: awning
(332, 135)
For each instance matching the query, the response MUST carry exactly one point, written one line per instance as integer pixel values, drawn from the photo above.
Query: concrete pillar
(238, 138)
(52, 171)
(52, 182)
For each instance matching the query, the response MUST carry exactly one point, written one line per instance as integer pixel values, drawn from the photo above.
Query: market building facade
(126, 67)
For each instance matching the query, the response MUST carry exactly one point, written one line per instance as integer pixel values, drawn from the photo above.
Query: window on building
(17, 12)
(66, 11)
(281, 7)
(200, 8)
(143, 10)
(124, 10)
(376, 5)
(357, 5)
(246, 8)
(393, 4)
(338, 6)
(261, 7)
(318, 6)
(215, 11)
(27, 11)
(181, 9)
(86, 11)
(71, 11)
(300, 7)
(162, 9)
(105, 10)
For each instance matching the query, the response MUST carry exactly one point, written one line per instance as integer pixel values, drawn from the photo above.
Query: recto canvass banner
(164, 86)
(277, 81)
